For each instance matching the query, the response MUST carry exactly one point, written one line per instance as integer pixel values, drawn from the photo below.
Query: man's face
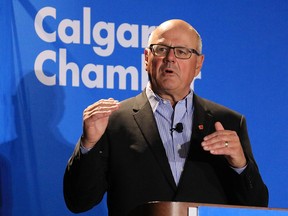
(170, 75)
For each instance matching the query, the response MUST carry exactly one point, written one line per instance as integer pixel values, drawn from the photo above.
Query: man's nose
(170, 55)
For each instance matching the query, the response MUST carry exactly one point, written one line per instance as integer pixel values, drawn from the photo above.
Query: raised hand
(227, 143)
(95, 120)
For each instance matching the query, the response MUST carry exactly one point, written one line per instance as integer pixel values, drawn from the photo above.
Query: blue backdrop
(57, 57)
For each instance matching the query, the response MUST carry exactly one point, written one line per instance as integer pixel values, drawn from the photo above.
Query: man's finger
(219, 126)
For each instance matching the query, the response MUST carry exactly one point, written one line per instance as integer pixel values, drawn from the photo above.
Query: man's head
(171, 71)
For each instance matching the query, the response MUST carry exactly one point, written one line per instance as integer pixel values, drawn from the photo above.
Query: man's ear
(146, 52)
(199, 64)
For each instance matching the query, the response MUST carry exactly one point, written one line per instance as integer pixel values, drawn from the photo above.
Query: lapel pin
(201, 127)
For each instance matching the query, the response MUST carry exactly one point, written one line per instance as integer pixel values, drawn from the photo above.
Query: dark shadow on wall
(36, 159)
(5, 187)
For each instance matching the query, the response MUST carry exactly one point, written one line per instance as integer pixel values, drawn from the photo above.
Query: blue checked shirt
(176, 144)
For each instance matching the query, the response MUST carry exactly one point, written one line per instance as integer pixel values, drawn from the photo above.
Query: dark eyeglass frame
(190, 50)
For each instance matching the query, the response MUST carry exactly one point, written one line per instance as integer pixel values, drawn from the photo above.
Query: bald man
(165, 144)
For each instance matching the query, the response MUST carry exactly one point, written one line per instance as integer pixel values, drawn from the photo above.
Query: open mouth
(168, 71)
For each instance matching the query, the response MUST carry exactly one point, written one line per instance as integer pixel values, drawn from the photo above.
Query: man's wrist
(86, 144)
(84, 150)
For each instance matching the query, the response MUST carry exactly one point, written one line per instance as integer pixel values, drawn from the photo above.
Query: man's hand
(95, 120)
(227, 143)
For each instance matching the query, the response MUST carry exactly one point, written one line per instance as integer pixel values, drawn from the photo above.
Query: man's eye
(182, 52)
(162, 49)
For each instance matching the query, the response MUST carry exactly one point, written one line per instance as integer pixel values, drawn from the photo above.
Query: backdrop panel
(57, 57)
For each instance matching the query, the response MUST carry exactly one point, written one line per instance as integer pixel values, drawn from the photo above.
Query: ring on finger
(226, 144)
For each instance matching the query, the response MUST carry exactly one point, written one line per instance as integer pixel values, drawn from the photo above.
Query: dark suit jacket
(130, 164)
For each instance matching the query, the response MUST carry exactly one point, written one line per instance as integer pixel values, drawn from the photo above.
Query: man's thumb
(219, 126)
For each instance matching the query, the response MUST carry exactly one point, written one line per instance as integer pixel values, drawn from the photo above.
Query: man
(165, 144)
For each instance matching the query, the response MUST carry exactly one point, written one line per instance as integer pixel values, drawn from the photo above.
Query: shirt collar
(155, 99)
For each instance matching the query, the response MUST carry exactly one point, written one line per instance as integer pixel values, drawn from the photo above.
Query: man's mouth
(168, 70)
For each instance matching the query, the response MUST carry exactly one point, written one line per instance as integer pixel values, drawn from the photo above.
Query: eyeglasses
(179, 52)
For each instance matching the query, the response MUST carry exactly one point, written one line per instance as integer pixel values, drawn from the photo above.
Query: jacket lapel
(203, 120)
(203, 124)
(145, 120)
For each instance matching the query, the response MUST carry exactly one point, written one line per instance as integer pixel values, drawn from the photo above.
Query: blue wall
(245, 68)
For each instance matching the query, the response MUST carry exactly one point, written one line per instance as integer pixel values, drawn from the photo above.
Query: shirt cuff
(239, 170)
(83, 149)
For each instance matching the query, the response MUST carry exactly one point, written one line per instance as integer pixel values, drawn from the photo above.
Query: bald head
(177, 25)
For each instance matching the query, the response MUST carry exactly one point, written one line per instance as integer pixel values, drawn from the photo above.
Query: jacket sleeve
(249, 186)
(85, 180)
